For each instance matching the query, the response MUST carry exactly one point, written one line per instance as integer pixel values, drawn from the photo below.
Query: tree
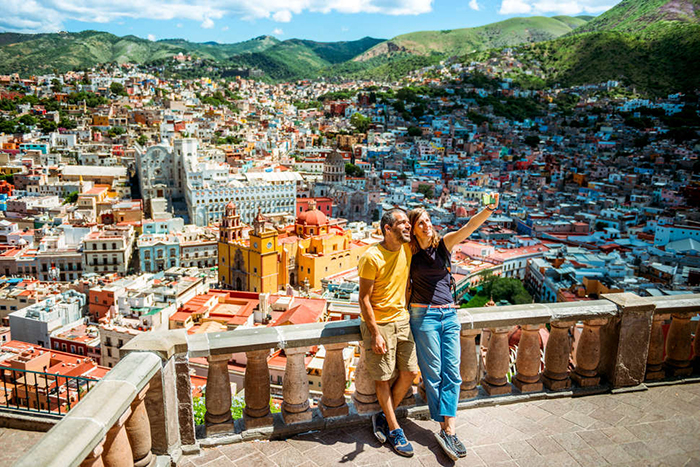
(117, 89)
(510, 289)
(415, 131)
(351, 170)
(360, 122)
(28, 120)
(142, 140)
(116, 131)
(427, 190)
(533, 141)
(71, 198)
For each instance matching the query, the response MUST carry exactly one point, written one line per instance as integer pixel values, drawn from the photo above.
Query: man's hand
(378, 344)
(495, 197)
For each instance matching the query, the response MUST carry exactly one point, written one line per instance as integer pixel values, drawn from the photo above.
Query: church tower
(263, 267)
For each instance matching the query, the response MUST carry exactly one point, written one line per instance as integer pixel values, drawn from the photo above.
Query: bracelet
(492, 210)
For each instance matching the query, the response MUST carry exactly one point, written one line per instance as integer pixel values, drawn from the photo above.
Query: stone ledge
(165, 344)
(28, 421)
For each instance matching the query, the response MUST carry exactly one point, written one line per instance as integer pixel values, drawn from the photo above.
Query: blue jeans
(436, 333)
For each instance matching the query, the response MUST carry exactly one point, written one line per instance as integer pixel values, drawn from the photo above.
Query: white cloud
(565, 7)
(50, 15)
(473, 5)
(178, 25)
(151, 38)
(225, 28)
(277, 32)
(282, 16)
(207, 23)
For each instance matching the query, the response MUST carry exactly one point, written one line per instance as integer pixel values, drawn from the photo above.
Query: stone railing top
(168, 343)
(86, 425)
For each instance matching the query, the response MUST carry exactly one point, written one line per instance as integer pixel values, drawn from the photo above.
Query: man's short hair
(388, 218)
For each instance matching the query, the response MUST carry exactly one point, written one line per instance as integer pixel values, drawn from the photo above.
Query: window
(121, 343)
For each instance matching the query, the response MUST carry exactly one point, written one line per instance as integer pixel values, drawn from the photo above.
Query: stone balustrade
(141, 413)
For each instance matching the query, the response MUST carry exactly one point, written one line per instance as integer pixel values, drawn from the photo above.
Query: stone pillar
(138, 430)
(185, 412)
(529, 359)
(678, 346)
(495, 381)
(257, 395)
(468, 364)
(94, 459)
(218, 396)
(117, 450)
(588, 354)
(696, 349)
(333, 381)
(556, 357)
(161, 405)
(295, 389)
(625, 340)
(655, 357)
(365, 395)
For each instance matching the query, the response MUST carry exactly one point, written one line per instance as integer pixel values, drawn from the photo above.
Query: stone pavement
(660, 426)
(14, 443)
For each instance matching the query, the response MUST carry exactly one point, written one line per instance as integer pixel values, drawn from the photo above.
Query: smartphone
(488, 199)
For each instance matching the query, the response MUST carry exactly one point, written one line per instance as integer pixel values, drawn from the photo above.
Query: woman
(434, 321)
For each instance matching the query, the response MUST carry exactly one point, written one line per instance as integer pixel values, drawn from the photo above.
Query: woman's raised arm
(453, 239)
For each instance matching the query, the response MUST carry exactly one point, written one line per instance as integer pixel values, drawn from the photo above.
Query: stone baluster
(333, 381)
(218, 396)
(365, 395)
(94, 458)
(655, 358)
(295, 389)
(696, 349)
(138, 429)
(528, 361)
(257, 394)
(117, 450)
(556, 357)
(495, 381)
(678, 346)
(588, 354)
(468, 364)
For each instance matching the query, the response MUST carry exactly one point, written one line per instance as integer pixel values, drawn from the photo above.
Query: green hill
(637, 16)
(506, 33)
(657, 63)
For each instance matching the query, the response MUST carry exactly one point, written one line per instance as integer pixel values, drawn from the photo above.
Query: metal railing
(41, 392)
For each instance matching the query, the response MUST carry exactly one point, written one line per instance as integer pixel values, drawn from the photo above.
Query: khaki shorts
(401, 350)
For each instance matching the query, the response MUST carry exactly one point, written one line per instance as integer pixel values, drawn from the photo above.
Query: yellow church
(313, 248)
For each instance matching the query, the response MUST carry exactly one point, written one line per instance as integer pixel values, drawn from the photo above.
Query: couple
(413, 262)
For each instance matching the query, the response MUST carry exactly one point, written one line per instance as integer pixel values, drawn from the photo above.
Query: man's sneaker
(380, 427)
(400, 443)
(452, 446)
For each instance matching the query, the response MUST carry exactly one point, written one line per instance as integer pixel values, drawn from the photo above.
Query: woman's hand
(496, 197)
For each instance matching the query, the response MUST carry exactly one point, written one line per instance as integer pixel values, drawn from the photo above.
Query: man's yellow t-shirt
(389, 271)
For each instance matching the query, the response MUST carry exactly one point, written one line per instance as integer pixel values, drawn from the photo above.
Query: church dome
(312, 217)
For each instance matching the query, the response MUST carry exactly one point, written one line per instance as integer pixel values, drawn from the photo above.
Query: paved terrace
(659, 426)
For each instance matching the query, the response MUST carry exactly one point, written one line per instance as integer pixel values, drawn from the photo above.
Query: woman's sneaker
(380, 427)
(399, 443)
(452, 446)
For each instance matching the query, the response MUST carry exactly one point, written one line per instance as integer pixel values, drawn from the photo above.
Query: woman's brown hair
(413, 216)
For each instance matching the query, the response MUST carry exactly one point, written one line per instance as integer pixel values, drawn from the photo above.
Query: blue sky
(239, 20)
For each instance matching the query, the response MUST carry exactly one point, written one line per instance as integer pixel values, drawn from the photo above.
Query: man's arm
(366, 288)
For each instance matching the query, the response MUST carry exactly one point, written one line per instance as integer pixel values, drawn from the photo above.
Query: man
(386, 333)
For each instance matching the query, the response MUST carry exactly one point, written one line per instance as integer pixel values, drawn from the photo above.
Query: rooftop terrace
(620, 387)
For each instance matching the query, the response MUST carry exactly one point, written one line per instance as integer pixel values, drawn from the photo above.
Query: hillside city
(133, 203)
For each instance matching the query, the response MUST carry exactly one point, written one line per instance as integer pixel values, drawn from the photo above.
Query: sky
(227, 21)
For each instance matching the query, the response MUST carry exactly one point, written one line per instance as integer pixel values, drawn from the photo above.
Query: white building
(35, 323)
(212, 187)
